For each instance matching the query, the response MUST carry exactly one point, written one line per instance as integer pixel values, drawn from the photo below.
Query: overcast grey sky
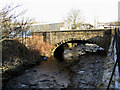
(56, 10)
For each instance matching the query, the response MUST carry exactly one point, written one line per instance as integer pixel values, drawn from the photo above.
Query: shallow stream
(82, 67)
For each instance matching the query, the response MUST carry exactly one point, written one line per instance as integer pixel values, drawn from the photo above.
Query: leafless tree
(10, 20)
(73, 18)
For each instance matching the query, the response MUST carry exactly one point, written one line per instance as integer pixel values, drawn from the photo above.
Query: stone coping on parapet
(72, 30)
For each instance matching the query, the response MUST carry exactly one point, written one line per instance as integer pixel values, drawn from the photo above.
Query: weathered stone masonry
(101, 37)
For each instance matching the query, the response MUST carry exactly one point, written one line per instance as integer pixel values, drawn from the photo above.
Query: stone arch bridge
(101, 37)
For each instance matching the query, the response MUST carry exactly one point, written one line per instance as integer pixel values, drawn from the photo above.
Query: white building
(46, 26)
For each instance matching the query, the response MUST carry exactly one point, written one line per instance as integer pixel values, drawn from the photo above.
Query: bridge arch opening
(59, 49)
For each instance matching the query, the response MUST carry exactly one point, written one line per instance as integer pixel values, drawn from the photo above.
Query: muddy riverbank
(79, 69)
(49, 74)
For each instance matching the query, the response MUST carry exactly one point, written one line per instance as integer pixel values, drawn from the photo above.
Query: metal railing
(117, 61)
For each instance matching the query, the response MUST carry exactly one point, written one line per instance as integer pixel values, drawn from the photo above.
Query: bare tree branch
(73, 18)
(10, 21)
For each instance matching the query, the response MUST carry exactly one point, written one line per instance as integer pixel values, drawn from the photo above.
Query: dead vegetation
(16, 57)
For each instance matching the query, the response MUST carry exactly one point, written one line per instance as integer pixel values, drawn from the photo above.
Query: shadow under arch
(59, 47)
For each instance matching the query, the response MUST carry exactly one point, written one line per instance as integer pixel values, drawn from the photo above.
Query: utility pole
(94, 19)
(94, 23)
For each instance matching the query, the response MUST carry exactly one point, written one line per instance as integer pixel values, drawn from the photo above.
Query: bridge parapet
(56, 38)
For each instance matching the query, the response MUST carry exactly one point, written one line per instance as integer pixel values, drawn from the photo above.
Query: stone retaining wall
(108, 68)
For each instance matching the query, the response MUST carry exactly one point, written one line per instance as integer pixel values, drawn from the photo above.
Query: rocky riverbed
(87, 73)
(82, 67)
(49, 74)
